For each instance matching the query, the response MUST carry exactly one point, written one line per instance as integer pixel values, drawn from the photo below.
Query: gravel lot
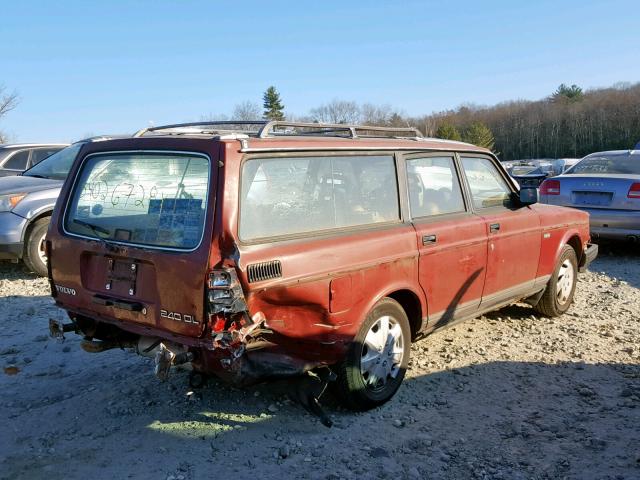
(508, 395)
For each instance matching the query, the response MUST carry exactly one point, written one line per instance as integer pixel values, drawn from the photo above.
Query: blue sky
(112, 67)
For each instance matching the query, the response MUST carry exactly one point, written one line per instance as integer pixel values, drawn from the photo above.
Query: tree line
(569, 122)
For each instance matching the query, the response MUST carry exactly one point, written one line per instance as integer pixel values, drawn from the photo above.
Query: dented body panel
(308, 294)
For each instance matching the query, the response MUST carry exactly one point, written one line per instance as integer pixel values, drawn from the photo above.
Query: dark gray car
(607, 186)
(16, 158)
(26, 203)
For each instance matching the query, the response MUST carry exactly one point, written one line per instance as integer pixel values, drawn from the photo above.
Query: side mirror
(528, 196)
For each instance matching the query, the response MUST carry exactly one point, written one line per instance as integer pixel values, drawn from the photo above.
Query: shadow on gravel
(15, 271)
(620, 260)
(492, 420)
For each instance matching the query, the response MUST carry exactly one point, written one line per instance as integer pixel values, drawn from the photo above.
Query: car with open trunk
(256, 250)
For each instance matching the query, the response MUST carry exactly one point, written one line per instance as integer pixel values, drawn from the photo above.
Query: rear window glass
(155, 199)
(618, 164)
(288, 196)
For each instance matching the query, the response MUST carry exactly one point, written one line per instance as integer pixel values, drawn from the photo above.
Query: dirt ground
(509, 395)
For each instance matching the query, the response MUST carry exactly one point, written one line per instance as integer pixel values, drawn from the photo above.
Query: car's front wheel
(558, 294)
(377, 359)
(34, 253)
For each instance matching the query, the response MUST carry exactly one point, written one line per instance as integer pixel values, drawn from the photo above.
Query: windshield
(625, 165)
(156, 199)
(56, 166)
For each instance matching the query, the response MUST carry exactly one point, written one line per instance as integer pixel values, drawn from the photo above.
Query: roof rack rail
(285, 128)
(278, 128)
(207, 127)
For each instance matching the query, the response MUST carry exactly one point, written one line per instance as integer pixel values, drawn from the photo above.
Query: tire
(363, 387)
(558, 295)
(34, 257)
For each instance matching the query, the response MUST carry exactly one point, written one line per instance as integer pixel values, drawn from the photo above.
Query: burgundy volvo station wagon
(255, 250)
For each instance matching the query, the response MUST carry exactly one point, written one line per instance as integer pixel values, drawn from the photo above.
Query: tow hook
(57, 329)
(165, 359)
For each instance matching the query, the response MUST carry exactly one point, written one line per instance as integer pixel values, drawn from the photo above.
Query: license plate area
(598, 199)
(122, 276)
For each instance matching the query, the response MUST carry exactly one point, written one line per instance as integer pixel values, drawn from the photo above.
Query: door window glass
(488, 187)
(42, 153)
(434, 188)
(284, 196)
(18, 161)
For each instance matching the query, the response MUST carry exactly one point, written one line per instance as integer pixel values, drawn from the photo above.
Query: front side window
(488, 187)
(294, 195)
(433, 187)
(155, 199)
(17, 161)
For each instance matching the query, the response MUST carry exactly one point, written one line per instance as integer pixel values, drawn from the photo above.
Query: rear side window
(294, 195)
(155, 199)
(488, 187)
(434, 188)
(625, 165)
(42, 153)
(18, 161)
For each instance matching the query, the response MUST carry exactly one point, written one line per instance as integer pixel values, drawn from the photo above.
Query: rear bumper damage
(240, 356)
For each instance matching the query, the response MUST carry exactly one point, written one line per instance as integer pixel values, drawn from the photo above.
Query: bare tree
(371, 114)
(8, 101)
(336, 111)
(247, 110)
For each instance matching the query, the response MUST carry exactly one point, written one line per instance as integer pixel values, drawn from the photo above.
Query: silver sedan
(607, 186)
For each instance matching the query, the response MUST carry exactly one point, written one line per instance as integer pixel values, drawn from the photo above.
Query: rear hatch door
(135, 237)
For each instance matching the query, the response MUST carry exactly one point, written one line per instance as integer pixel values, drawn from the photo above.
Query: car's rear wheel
(34, 255)
(377, 359)
(558, 295)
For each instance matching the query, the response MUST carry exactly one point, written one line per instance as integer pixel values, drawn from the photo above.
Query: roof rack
(282, 128)
(215, 127)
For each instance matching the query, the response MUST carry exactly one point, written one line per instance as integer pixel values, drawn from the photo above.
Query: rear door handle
(428, 239)
(494, 227)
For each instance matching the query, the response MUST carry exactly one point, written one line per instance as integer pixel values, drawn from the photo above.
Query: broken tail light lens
(634, 191)
(550, 187)
(224, 294)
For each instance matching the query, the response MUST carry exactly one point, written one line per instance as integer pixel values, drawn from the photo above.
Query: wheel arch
(32, 222)
(571, 238)
(412, 305)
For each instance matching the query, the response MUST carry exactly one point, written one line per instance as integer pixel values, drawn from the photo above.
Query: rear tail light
(550, 187)
(224, 292)
(634, 191)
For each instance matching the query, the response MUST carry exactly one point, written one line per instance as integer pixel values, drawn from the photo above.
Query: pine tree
(567, 94)
(479, 134)
(448, 131)
(273, 107)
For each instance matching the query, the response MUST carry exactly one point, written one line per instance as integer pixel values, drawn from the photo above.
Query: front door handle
(494, 227)
(428, 239)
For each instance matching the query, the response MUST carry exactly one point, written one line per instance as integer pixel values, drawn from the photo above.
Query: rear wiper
(94, 228)
(97, 229)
